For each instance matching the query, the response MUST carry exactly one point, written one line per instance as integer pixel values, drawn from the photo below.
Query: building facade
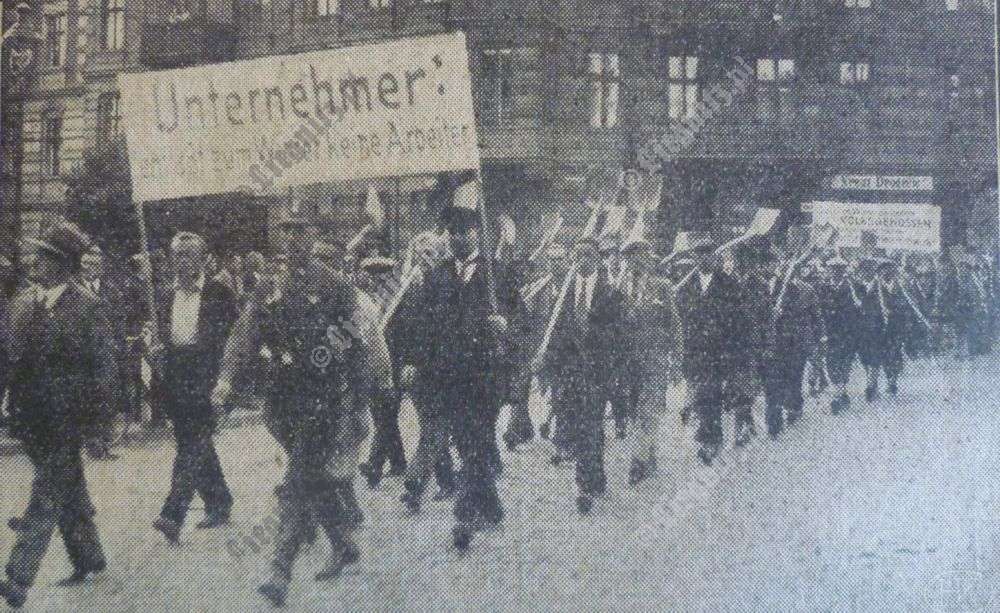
(752, 103)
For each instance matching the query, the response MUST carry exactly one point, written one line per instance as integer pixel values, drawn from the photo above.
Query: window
(858, 4)
(774, 74)
(51, 143)
(851, 72)
(496, 94)
(324, 8)
(109, 116)
(605, 79)
(55, 39)
(380, 4)
(113, 19)
(951, 5)
(682, 85)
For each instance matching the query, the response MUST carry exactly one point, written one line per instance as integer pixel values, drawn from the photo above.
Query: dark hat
(64, 241)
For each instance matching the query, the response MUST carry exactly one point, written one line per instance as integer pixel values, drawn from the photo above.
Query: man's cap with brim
(64, 240)
(836, 262)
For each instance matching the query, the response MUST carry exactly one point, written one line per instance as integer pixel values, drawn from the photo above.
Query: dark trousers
(387, 444)
(839, 362)
(309, 494)
(196, 470)
(582, 417)
(705, 398)
(59, 497)
(473, 411)
(783, 389)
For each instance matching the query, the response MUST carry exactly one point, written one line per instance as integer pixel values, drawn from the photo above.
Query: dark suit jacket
(62, 382)
(716, 328)
(455, 347)
(842, 316)
(592, 351)
(190, 372)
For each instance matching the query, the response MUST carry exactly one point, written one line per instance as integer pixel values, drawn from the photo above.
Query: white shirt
(51, 296)
(93, 285)
(585, 290)
(184, 313)
(464, 269)
(706, 279)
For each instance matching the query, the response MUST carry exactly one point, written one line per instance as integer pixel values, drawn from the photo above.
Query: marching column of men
(465, 338)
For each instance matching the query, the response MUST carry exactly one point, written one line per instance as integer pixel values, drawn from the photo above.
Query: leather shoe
(170, 529)
(16, 524)
(80, 575)
(275, 592)
(461, 537)
(14, 593)
(372, 477)
(584, 504)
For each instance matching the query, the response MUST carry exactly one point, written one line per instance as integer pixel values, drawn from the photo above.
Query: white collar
(52, 294)
(469, 260)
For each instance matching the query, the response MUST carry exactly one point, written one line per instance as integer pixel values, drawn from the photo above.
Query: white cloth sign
(909, 227)
(389, 109)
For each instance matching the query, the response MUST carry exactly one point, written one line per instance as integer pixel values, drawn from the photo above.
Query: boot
(276, 588)
(342, 556)
(372, 475)
(411, 498)
(80, 574)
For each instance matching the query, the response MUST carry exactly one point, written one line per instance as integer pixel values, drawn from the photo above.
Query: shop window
(604, 77)
(682, 85)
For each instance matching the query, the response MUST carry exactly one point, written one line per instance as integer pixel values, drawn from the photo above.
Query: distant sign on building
(908, 227)
(390, 109)
(883, 183)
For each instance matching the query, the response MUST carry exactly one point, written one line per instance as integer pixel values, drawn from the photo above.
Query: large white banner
(910, 227)
(390, 109)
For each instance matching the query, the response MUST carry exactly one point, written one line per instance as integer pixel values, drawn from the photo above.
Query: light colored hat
(694, 240)
(377, 265)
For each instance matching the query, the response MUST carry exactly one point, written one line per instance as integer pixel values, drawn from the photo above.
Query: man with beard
(318, 367)
(716, 342)
(465, 359)
(61, 380)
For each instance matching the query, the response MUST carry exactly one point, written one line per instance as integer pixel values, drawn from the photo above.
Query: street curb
(236, 419)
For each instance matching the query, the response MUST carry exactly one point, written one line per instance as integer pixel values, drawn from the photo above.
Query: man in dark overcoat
(61, 380)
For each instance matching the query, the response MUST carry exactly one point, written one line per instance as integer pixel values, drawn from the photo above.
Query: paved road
(886, 508)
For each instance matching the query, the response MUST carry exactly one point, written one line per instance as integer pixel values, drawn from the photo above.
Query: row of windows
(329, 8)
(112, 32)
(108, 126)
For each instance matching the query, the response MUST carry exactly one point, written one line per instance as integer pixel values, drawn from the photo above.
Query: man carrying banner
(194, 317)
(465, 357)
(716, 341)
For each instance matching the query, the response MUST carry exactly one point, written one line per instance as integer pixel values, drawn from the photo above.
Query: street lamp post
(16, 56)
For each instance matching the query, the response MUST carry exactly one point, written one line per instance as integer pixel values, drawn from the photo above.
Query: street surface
(889, 507)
